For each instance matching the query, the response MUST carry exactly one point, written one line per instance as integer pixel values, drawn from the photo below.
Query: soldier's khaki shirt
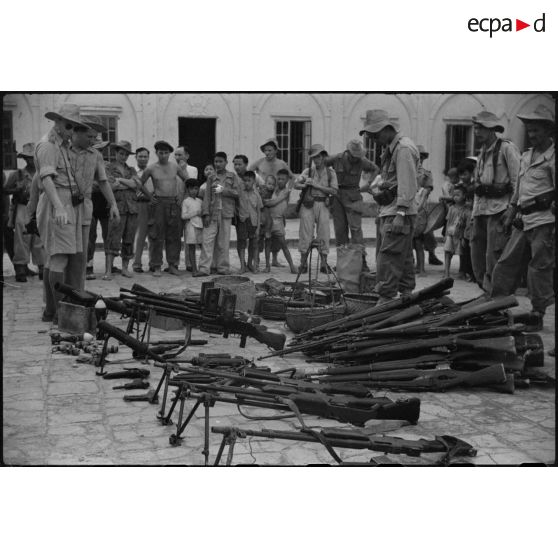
(536, 177)
(506, 172)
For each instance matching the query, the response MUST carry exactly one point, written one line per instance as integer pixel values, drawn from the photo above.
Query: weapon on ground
(351, 439)
(134, 384)
(130, 374)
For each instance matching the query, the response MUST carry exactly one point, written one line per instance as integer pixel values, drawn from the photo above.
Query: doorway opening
(198, 134)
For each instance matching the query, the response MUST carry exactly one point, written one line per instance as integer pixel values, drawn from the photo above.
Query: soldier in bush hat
(495, 177)
(397, 208)
(532, 210)
(26, 242)
(347, 205)
(60, 204)
(317, 182)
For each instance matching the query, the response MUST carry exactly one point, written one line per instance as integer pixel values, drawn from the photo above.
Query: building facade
(238, 123)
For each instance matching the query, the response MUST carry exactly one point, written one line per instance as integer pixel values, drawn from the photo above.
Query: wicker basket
(242, 287)
(358, 302)
(301, 319)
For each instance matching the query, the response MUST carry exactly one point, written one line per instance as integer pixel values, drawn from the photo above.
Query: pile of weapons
(426, 342)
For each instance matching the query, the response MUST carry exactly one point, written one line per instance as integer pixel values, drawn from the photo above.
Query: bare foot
(126, 273)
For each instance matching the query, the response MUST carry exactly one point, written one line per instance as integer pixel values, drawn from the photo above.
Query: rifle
(351, 439)
(304, 190)
(131, 374)
(503, 345)
(442, 380)
(134, 384)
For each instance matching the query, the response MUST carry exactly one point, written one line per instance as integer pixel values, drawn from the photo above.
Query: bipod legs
(102, 357)
(229, 439)
(208, 401)
(164, 380)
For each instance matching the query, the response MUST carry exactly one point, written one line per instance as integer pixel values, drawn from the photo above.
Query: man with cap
(264, 167)
(60, 204)
(165, 221)
(270, 164)
(495, 177)
(347, 205)
(121, 234)
(317, 182)
(142, 158)
(26, 242)
(395, 196)
(89, 169)
(532, 211)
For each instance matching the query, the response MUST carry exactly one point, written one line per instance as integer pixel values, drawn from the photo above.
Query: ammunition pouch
(385, 197)
(493, 190)
(542, 202)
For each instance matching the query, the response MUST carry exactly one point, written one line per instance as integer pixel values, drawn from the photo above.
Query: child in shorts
(191, 214)
(455, 227)
(277, 206)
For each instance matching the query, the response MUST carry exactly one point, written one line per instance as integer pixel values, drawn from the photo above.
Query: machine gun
(215, 315)
(351, 439)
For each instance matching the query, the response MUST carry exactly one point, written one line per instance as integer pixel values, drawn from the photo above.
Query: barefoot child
(455, 227)
(277, 208)
(191, 213)
(249, 215)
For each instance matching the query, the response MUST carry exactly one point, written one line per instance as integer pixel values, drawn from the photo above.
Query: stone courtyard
(56, 411)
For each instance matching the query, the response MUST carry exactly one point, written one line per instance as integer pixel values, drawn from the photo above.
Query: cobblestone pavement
(56, 411)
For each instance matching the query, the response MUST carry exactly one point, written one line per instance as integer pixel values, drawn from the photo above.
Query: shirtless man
(165, 223)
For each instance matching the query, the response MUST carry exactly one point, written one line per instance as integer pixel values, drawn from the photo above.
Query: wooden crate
(76, 319)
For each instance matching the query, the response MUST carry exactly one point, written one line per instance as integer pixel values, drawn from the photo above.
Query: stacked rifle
(425, 342)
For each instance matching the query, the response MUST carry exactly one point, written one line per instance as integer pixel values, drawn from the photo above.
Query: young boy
(466, 172)
(455, 227)
(277, 209)
(264, 242)
(249, 216)
(191, 213)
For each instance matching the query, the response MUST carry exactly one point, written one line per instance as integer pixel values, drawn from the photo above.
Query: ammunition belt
(542, 202)
(493, 190)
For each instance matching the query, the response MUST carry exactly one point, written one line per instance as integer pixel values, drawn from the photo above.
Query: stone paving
(56, 411)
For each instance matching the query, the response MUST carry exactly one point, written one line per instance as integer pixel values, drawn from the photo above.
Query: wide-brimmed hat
(101, 145)
(123, 144)
(95, 123)
(422, 150)
(68, 112)
(376, 120)
(163, 144)
(28, 150)
(541, 114)
(270, 141)
(356, 149)
(317, 149)
(488, 120)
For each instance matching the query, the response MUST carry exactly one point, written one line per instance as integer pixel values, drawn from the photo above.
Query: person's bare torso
(164, 179)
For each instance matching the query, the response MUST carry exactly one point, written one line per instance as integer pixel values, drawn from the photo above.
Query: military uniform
(488, 237)
(25, 245)
(395, 270)
(121, 234)
(314, 211)
(536, 237)
(347, 206)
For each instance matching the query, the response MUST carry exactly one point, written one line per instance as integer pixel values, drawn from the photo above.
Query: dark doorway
(198, 134)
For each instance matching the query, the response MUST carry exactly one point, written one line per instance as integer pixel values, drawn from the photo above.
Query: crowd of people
(499, 208)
